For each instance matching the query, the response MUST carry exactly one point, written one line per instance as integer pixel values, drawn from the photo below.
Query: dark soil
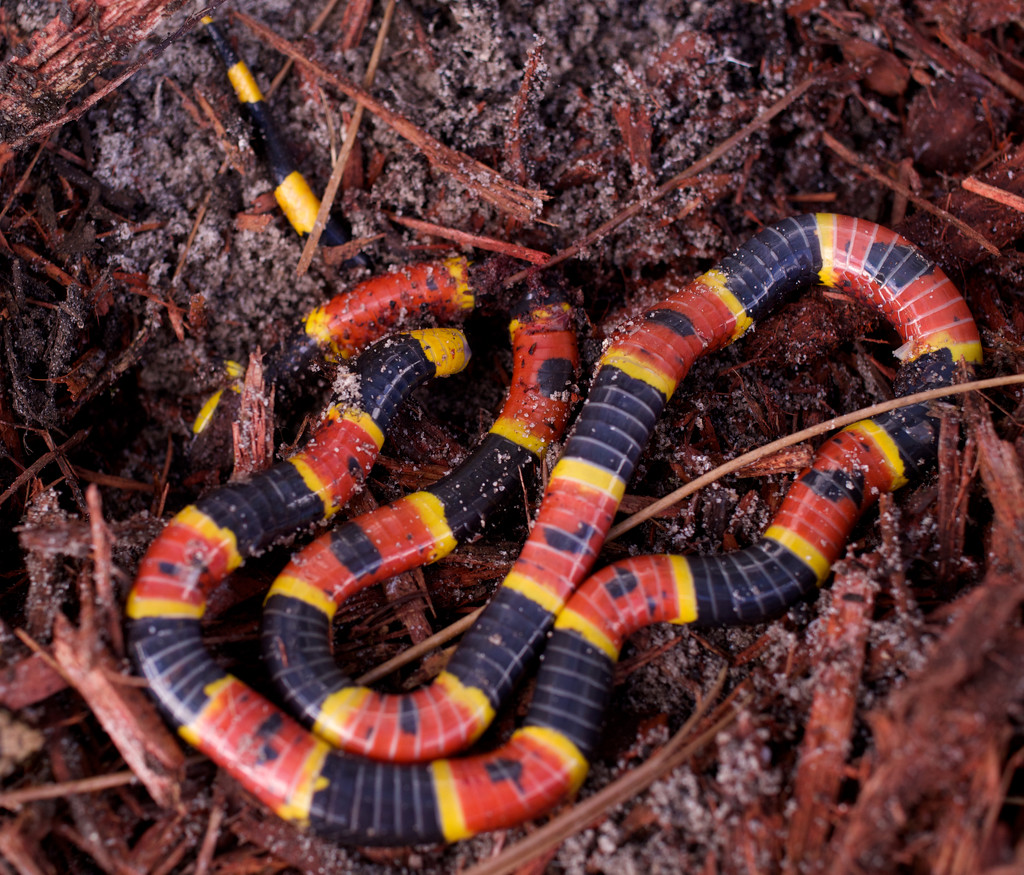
(878, 729)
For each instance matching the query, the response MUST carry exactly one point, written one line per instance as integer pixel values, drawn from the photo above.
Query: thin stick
(112, 480)
(42, 462)
(187, 248)
(994, 193)
(313, 240)
(477, 241)
(982, 65)
(14, 799)
(417, 650)
(678, 495)
(20, 184)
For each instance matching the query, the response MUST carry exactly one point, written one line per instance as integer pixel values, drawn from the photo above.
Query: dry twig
(312, 241)
(837, 422)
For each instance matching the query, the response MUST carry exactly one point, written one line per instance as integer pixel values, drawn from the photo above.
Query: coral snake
(383, 800)
(362, 800)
